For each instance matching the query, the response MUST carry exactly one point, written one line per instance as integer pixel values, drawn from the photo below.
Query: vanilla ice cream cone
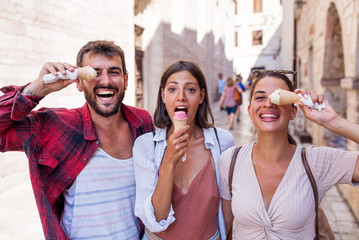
(86, 73)
(282, 97)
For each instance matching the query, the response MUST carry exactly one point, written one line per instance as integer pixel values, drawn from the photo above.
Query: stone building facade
(33, 32)
(257, 36)
(327, 57)
(197, 30)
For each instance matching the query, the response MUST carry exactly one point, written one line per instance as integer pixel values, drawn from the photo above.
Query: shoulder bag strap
(154, 142)
(315, 190)
(219, 144)
(231, 167)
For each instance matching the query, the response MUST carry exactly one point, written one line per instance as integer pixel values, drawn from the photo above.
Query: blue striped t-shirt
(100, 203)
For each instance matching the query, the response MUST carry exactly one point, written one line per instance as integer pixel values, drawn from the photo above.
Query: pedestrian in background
(272, 196)
(239, 97)
(178, 198)
(251, 78)
(220, 85)
(80, 160)
(228, 101)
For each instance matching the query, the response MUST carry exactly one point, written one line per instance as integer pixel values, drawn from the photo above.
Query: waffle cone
(178, 123)
(287, 97)
(282, 97)
(86, 73)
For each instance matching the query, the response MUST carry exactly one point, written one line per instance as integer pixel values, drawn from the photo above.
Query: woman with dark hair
(177, 192)
(271, 191)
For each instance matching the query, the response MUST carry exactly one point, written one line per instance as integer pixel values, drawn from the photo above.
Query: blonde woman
(227, 100)
(272, 197)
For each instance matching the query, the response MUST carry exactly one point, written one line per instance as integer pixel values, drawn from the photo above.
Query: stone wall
(269, 21)
(33, 32)
(198, 30)
(321, 26)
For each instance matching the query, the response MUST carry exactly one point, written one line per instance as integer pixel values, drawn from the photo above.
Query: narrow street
(341, 219)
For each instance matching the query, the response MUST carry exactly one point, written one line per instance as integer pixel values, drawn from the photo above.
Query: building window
(257, 37)
(236, 39)
(257, 6)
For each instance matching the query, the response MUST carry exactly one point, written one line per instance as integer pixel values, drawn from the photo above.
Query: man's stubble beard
(92, 101)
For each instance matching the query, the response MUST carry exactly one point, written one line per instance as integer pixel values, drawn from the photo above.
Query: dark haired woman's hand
(177, 146)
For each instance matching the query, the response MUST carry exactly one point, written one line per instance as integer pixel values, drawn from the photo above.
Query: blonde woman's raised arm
(329, 119)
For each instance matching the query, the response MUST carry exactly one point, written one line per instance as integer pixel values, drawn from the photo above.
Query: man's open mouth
(105, 94)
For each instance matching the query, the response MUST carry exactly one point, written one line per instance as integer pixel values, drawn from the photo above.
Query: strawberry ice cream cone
(178, 123)
(179, 120)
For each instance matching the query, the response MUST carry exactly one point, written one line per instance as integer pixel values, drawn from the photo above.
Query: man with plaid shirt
(80, 159)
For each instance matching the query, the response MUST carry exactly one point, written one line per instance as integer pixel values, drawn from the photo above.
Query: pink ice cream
(180, 115)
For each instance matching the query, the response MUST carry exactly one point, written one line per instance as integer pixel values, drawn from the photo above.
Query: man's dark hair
(101, 47)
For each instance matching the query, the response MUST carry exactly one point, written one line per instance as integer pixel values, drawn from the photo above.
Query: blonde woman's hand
(325, 116)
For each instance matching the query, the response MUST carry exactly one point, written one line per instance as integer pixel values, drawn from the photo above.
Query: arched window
(333, 55)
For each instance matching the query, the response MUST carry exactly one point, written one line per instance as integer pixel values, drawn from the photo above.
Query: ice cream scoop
(179, 120)
(307, 100)
(180, 115)
(83, 73)
(282, 97)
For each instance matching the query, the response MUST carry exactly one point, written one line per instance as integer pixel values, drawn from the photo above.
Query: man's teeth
(105, 94)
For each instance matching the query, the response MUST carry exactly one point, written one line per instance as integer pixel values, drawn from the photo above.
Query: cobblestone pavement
(340, 217)
(19, 217)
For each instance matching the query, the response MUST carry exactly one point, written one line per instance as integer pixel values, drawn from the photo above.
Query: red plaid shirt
(58, 143)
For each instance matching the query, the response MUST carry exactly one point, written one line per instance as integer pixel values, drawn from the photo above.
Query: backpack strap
(154, 142)
(231, 167)
(219, 144)
(142, 130)
(315, 190)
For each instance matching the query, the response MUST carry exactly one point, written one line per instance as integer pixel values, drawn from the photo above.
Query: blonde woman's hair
(229, 82)
(277, 75)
